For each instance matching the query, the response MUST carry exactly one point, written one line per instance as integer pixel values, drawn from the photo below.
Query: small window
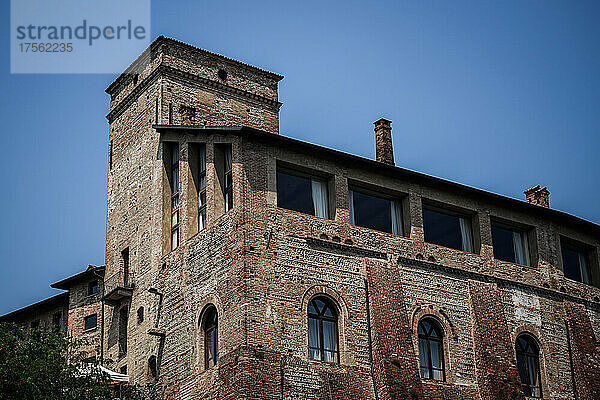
(228, 174)
(152, 367)
(210, 327)
(90, 322)
(303, 193)
(123, 322)
(140, 315)
(431, 350)
(201, 187)
(125, 260)
(322, 330)
(35, 324)
(449, 229)
(510, 244)
(57, 322)
(171, 161)
(528, 362)
(576, 263)
(92, 287)
(376, 212)
(123, 370)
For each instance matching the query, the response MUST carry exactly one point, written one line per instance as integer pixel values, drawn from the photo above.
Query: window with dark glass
(93, 287)
(322, 330)
(57, 322)
(576, 264)
(210, 327)
(90, 321)
(375, 211)
(140, 315)
(201, 187)
(510, 244)
(152, 366)
(528, 362)
(431, 350)
(228, 174)
(123, 322)
(303, 193)
(447, 228)
(174, 182)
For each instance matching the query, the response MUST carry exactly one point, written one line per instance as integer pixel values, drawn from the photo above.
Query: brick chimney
(384, 152)
(540, 196)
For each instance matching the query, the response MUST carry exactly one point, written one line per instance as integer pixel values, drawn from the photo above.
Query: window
(125, 260)
(152, 367)
(123, 321)
(57, 322)
(375, 212)
(510, 244)
(302, 193)
(92, 287)
(576, 264)
(123, 370)
(228, 188)
(431, 350)
(210, 329)
(528, 362)
(140, 315)
(201, 187)
(448, 229)
(90, 322)
(322, 330)
(35, 324)
(172, 150)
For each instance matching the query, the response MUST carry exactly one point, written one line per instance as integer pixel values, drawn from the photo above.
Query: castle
(241, 263)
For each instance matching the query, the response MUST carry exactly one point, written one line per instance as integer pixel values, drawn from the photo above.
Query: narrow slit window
(174, 186)
(376, 212)
(510, 244)
(303, 193)
(449, 229)
(201, 187)
(576, 263)
(228, 175)
(125, 260)
(123, 325)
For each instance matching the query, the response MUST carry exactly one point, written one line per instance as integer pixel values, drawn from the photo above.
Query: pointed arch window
(528, 362)
(431, 350)
(210, 327)
(322, 330)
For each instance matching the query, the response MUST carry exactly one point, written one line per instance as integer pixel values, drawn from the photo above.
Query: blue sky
(497, 95)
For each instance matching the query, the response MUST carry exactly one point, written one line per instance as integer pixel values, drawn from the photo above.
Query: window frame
(174, 183)
(583, 250)
(324, 180)
(210, 333)
(92, 284)
(532, 342)
(449, 210)
(85, 322)
(398, 199)
(228, 177)
(435, 325)
(330, 303)
(201, 170)
(524, 231)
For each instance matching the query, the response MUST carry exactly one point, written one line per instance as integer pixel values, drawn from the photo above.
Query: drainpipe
(370, 340)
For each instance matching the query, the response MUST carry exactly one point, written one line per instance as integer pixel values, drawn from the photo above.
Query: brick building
(241, 263)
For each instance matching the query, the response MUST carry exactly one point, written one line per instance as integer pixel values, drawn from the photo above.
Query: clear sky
(497, 95)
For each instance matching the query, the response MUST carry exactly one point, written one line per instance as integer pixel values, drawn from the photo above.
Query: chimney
(384, 152)
(538, 196)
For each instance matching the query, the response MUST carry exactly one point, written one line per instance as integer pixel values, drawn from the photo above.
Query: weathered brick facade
(259, 265)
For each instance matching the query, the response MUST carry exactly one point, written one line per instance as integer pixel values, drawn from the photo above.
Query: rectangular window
(173, 149)
(447, 228)
(57, 322)
(303, 193)
(201, 187)
(510, 244)
(376, 212)
(125, 259)
(90, 322)
(576, 263)
(92, 287)
(228, 188)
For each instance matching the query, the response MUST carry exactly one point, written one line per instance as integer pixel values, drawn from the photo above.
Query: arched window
(210, 329)
(322, 330)
(528, 361)
(431, 349)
